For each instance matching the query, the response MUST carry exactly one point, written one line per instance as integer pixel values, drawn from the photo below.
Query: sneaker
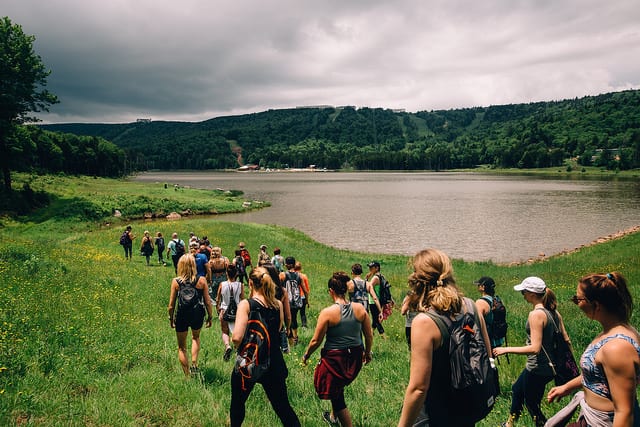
(326, 415)
(227, 354)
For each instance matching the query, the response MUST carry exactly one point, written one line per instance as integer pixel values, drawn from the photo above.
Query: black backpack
(188, 295)
(385, 290)
(179, 247)
(360, 292)
(253, 359)
(499, 325)
(292, 284)
(230, 313)
(124, 238)
(472, 380)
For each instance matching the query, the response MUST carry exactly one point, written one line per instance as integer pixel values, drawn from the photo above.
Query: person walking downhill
(361, 291)
(146, 246)
(188, 293)
(126, 240)
(292, 282)
(342, 324)
(274, 380)
(304, 293)
(432, 288)
(160, 248)
(611, 363)
(175, 249)
(229, 290)
(218, 266)
(528, 389)
(373, 281)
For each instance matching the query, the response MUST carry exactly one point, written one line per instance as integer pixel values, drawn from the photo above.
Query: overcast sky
(191, 60)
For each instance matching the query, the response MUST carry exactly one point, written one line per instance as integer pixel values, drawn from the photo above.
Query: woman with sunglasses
(543, 319)
(611, 363)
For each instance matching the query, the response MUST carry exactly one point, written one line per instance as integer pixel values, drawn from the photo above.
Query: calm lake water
(471, 216)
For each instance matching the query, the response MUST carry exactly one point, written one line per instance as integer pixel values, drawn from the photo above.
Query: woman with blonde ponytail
(432, 287)
(263, 299)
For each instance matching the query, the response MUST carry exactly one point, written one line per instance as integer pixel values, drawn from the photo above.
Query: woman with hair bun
(542, 322)
(611, 363)
(432, 287)
(273, 382)
(343, 325)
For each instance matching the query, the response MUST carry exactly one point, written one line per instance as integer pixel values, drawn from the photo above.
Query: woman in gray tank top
(341, 359)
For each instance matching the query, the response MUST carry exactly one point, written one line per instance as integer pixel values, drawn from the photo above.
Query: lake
(471, 216)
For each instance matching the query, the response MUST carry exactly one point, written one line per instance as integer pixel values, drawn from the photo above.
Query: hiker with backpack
(304, 293)
(292, 282)
(160, 247)
(360, 290)
(146, 246)
(491, 307)
(341, 326)
(281, 295)
(218, 265)
(528, 389)
(126, 240)
(238, 261)
(230, 292)
(374, 281)
(175, 249)
(450, 382)
(259, 359)
(188, 302)
(277, 260)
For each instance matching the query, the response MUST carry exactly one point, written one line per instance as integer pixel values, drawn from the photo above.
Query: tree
(22, 80)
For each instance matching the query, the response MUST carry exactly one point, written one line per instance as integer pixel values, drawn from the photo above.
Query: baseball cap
(374, 264)
(532, 284)
(263, 246)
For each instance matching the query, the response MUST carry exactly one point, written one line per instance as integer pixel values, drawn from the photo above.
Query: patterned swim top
(593, 377)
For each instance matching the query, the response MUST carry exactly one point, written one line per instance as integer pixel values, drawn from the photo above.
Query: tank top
(539, 363)
(347, 333)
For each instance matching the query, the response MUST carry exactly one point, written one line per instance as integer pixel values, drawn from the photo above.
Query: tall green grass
(84, 336)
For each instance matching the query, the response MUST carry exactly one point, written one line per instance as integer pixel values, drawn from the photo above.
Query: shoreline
(613, 236)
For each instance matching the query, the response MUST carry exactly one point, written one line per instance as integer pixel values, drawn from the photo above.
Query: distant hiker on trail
(238, 261)
(373, 281)
(304, 293)
(175, 249)
(160, 247)
(230, 293)
(190, 297)
(246, 256)
(292, 282)
(126, 240)
(202, 266)
(263, 256)
(274, 379)
(342, 324)
(146, 246)
(277, 260)
(218, 265)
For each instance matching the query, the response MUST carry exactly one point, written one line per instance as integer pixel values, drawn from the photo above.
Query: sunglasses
(576, 299)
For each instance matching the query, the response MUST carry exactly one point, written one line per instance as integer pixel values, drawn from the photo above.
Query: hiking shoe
(227, 354)
(326, 415)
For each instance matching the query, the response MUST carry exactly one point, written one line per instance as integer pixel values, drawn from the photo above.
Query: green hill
(602, 130)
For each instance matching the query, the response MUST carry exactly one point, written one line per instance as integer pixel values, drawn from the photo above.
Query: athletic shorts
(193, 319)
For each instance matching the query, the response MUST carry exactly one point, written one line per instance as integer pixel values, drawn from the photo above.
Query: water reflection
(470, 216)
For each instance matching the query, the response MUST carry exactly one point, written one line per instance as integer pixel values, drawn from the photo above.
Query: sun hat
(263, 246)
(532, 284)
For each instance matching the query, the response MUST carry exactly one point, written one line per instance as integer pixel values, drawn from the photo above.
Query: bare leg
(182, 351)
(344, 417)
(195, 346)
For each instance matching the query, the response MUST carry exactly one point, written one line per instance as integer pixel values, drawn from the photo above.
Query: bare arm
(483, 330)
(172, 301)
(537, 320)
(202, 284)
(242, 318)
(374, 296)
(424, 336)
(620, 362)
(319, 333)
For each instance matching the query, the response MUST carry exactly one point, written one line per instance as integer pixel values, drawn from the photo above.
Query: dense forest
(599, 130)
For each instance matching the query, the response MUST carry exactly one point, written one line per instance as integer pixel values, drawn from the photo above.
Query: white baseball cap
(532, 284)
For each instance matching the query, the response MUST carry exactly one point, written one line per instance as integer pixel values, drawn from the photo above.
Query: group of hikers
(437, 314)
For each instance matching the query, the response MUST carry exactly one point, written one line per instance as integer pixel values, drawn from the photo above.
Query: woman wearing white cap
(530, 385)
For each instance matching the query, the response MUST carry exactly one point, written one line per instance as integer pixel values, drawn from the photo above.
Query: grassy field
(84, 336)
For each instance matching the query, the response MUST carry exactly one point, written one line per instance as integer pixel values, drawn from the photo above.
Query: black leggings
(275, 387)
(528, 391)
(375, 314)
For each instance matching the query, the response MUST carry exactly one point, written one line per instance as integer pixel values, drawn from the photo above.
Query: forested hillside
(603, 130)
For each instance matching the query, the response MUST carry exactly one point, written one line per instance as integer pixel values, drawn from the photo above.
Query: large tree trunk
(6, 173)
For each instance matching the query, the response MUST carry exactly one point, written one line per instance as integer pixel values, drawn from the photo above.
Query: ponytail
(261, 280)
(549, 300)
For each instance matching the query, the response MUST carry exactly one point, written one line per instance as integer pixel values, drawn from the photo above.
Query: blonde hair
(187, 268)
(261, 281)
(432, 283)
